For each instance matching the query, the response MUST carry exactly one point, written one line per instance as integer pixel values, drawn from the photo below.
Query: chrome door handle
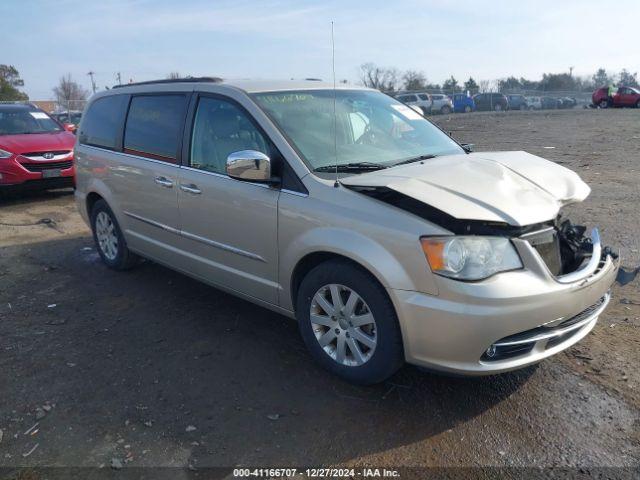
(163, 181)
(190, 188)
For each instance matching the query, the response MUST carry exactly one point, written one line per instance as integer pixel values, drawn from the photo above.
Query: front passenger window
(221, 128)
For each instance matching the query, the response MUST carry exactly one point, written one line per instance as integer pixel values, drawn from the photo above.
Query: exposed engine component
(574, 246)
(562, 245)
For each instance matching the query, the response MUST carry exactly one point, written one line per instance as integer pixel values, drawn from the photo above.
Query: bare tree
(381, 78)
(414, 80)
(69, 94)
(174, 76)
(488, 86)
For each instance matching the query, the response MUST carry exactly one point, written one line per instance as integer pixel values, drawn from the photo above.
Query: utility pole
(119, 78)
(93, 82)
(571, 71)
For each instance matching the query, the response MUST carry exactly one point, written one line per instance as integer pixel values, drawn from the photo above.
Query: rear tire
(467, 109)
(363, 359)
(497, 107)
(109, 240)
(638, 104)
(445, 110)
(603, 104)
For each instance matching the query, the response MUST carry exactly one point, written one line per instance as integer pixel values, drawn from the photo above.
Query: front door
(229, 227)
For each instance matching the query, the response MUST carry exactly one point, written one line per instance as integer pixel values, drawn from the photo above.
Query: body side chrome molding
(152, 223)
(198, 238)
(222, 246)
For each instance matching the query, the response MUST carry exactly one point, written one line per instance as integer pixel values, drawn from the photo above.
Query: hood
(37, 142)
(516, 188)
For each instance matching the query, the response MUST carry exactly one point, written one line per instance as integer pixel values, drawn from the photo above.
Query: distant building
(46, 105)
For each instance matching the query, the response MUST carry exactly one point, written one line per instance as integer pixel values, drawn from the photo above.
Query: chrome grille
(40, 154)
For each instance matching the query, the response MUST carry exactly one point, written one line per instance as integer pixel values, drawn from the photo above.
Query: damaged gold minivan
(342, 208)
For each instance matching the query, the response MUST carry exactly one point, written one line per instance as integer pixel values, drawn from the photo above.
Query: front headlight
(5, 154)
(470, 257)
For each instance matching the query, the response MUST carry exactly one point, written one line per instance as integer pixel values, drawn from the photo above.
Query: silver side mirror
(249, 165)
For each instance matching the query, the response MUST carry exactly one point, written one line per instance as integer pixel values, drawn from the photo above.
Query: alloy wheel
(343, 325)
(106, 235)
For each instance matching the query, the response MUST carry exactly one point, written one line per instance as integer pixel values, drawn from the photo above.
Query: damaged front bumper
(510, 320)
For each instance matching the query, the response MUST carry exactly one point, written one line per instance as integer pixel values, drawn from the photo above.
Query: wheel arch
(98, 190)
(312, 260)
(321, 245)
(90, 201)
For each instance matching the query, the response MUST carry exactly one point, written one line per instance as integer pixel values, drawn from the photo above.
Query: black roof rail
(173, 80)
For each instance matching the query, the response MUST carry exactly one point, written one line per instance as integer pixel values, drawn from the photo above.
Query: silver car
(441, 104)
(419, 100)
(346, 210)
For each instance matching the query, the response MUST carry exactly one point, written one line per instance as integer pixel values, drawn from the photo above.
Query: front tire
(109, 240)
(603, 104)
(467, 109)
(348, 323)
(497, 107)
(445, 110)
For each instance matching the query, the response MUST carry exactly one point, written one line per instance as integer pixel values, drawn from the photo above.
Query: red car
(35, 150)
(623, 97)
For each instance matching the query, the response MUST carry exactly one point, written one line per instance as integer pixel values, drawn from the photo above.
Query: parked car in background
(548, 103)
(462, 103)
(421, 100)
(420, 252)
(623, 97)
(69, 117)
(517, 102)
(441, 103)
(567, 102)
(534, 103)
(35, 149)
(491, 101)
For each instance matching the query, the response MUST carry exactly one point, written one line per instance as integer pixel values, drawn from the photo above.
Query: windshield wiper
(415, 159)
(351, 167)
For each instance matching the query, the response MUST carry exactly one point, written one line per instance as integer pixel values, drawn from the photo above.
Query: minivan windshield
(370, 128)
(15, 122)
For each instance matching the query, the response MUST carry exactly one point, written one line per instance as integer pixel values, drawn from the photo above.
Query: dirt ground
(151, 368)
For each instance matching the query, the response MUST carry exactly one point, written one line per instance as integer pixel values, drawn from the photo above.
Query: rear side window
(423, 96)
(154, 126)
(102, 124)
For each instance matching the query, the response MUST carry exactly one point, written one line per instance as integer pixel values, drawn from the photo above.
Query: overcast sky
(146, 39)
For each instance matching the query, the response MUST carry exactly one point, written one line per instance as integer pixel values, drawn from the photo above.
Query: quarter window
(102, 124)
(219, 129)
(154, 126)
